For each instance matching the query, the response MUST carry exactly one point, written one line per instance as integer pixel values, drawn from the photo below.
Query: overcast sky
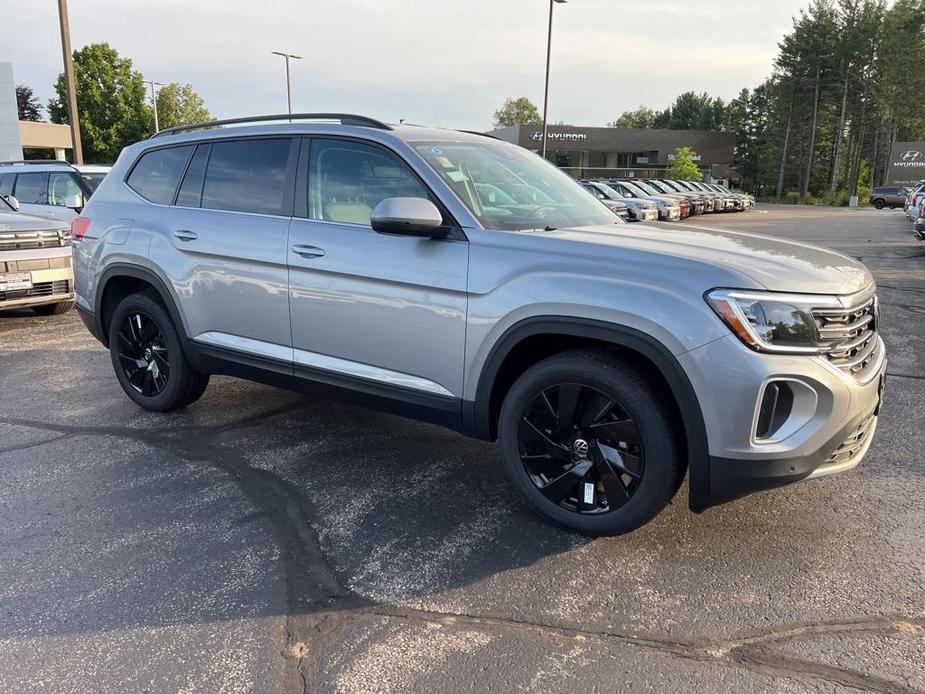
(440, 62)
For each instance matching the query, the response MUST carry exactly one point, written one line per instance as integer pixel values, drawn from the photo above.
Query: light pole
(286, 57)
(154, 100)
(546, 90)
(72, 116)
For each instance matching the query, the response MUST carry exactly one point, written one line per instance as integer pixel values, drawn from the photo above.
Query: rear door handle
(186, 235)
(307, 251)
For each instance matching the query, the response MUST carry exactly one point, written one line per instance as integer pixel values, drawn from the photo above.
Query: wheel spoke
(596, 409)
(613, 486)
(133, 364)
(623, 430)
(623, 461)
(156, 353)
(559, 489)
(568, 405)
(530, 433)
(147, 383)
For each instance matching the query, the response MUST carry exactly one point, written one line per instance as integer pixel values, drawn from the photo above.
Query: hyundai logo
(911, 155)
(536, 135)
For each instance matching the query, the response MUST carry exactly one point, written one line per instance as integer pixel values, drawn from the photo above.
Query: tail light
(79, 227)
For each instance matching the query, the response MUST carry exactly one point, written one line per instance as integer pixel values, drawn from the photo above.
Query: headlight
(772, 322)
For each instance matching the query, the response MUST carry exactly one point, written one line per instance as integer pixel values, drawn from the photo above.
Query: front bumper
(828, 431)
(646, 215)
(52, 273)
(670, 214)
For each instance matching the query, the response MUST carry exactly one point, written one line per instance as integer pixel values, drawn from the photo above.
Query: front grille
(850, 336)
(39, 289)
(32, 240)
(854, 444)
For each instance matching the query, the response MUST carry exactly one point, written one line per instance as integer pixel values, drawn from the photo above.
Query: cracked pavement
(265, 541)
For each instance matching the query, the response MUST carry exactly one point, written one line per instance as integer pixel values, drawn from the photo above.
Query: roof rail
(39, 162)
(344, 118)
(476, 132)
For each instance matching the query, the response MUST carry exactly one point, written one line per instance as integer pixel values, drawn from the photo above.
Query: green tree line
(113, 103)
(847, 83)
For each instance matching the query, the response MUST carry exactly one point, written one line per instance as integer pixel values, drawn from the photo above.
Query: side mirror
(408, 217)
(14, 203)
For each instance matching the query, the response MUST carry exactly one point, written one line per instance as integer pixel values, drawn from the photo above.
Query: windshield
(634, 189)
(606, 191)
(650, 190)
(660, 187)
(507, 187)
(93, 179)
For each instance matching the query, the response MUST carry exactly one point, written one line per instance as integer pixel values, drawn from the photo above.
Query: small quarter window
(157, 173)
(191, 188)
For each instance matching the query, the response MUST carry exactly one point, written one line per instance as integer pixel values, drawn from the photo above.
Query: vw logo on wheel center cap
(580, 448)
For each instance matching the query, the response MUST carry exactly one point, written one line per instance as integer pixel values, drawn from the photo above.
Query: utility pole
(69, 82)
(546, 89)
(286, 57)
(154, 101)
(812, 139)
(783, 156)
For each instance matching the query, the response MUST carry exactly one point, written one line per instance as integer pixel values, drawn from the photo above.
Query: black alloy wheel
(580, 449)
(143, 354)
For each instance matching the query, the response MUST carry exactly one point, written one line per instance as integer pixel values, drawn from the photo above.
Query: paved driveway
(264, 541)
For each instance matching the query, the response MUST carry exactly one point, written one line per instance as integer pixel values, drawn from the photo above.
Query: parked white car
(45, 188)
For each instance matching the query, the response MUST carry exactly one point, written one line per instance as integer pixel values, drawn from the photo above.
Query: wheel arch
(560, 333)
(118, 281)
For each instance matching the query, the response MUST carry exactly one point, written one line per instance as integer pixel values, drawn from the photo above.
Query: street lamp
(286, 57)
(154, 100)
(546, 91)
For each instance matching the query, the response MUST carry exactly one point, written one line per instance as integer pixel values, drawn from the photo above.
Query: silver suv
(348, 258)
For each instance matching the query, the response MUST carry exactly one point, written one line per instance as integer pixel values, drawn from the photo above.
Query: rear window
(247, 176)
(157, 173)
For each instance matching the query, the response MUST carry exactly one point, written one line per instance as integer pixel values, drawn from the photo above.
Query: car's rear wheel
(590, 442)
(53, 309)
(148, 358)
(879, 204)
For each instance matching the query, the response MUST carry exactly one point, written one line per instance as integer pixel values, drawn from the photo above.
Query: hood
(17, 221)
(664, 199)
(774, 264)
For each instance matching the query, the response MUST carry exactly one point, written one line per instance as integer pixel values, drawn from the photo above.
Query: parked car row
(38, 200)
(649, 199)
(914, 205)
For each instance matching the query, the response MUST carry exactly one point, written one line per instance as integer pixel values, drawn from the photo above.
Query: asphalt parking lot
(264, 541)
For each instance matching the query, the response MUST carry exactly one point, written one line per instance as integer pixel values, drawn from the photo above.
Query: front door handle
(307, 251)
(186, 235)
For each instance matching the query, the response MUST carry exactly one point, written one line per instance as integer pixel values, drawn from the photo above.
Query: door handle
(307, 251)
(186, 235)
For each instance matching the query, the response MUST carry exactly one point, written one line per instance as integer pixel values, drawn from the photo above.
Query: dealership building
(625, 152)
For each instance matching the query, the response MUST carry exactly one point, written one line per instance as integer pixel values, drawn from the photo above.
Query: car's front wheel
(148, 358)
(879, 204)
(590, 442)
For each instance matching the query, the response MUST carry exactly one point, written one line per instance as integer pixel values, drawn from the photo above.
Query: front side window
(64, 191)
(346, 180)
(247, 176)
(32, 189)
(6, 184)
(543, 196)
(157, 173)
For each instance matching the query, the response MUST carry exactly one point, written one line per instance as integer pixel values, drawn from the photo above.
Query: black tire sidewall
(659, 481)
(180, 373)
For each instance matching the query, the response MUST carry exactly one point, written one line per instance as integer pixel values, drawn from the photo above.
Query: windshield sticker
(436, 150)
(456, 176)
(444, 162)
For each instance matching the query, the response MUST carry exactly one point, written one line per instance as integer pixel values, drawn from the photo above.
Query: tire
(53, 309)
(570, 468)
(878, 204)
(148, 358)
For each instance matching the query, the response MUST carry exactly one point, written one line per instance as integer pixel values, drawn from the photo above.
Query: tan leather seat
(349, 212)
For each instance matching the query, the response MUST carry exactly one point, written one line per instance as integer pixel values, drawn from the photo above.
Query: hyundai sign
(907, 163)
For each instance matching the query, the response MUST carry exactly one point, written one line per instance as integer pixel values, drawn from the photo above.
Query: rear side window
(248, 176)
(32, 188)
(157, 173)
